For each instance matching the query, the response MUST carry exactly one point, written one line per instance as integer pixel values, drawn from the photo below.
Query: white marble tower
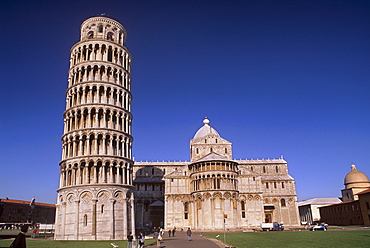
(95, 195)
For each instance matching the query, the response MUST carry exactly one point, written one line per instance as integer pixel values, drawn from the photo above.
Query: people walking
(173, 231)
(188, 232)
(159, 238)
(20, 240)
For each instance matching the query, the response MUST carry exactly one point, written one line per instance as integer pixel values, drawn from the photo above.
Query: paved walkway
(181, 241)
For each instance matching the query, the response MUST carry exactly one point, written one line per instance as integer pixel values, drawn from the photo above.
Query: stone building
(20, 212)
(364, 201)
(309, 210)
(95, 195)
(354, 182)
(353, 210)
(212, 190)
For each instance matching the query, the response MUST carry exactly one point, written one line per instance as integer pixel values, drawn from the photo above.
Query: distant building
(364, 200)
(354, 182)
(355, 208)
(212, 188)
(309, 209)
(342, 214)
(17, 211)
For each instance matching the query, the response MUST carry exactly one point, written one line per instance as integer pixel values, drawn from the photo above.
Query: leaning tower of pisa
(95, 198)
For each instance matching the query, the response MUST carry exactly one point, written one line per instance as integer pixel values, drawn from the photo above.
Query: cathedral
(212, 191)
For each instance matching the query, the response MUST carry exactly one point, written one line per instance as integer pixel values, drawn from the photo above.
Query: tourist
(34, 233)
(20, 240)
(159, 238)
(173, 232)
(169, 232)
(141, 240)
(130, 237)
(188, 232)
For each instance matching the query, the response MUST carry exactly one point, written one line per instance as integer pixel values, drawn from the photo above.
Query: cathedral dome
(205, 130)
(356, 178)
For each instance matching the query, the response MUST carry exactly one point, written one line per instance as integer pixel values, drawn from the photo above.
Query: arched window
(102, 208)
(110, 36)
(267, 185)
(186, 210)
(85, 220)
(282, 185)
(100, 28)
(277, 169)
(264, 169)
(283, 204)
(275, 185)
(243, 208)
(225, 150)
(90, 35)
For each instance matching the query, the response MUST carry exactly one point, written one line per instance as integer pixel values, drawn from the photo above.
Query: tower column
(77, 206)
(132, 202)
(112, 219)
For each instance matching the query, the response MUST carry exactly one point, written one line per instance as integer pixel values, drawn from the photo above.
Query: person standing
(159, 238)
(188, 232)
(20, 240)
(130, 237)
(169, 232)
(141, 240)
(34, 233)
(173, 231)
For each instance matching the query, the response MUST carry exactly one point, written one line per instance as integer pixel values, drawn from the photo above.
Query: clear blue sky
(274, 77)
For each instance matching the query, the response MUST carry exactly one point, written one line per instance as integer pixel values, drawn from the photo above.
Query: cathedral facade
(95, 195)
(212, 191)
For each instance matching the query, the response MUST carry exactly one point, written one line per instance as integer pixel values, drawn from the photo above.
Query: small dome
(355, 178)
(205, 130)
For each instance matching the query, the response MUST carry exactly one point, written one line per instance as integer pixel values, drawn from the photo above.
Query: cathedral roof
(212, 157)
(276, 178)
(355, 177)
(205, 130)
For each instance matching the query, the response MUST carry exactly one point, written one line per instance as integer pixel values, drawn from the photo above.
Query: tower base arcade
(101, 212)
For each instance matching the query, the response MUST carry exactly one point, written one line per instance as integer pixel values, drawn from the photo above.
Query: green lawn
(43, 243)
(350, 239)
(286, 239)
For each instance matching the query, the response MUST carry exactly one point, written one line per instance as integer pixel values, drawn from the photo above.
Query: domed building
(213, 190)
(354, 182)
(355, 205)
